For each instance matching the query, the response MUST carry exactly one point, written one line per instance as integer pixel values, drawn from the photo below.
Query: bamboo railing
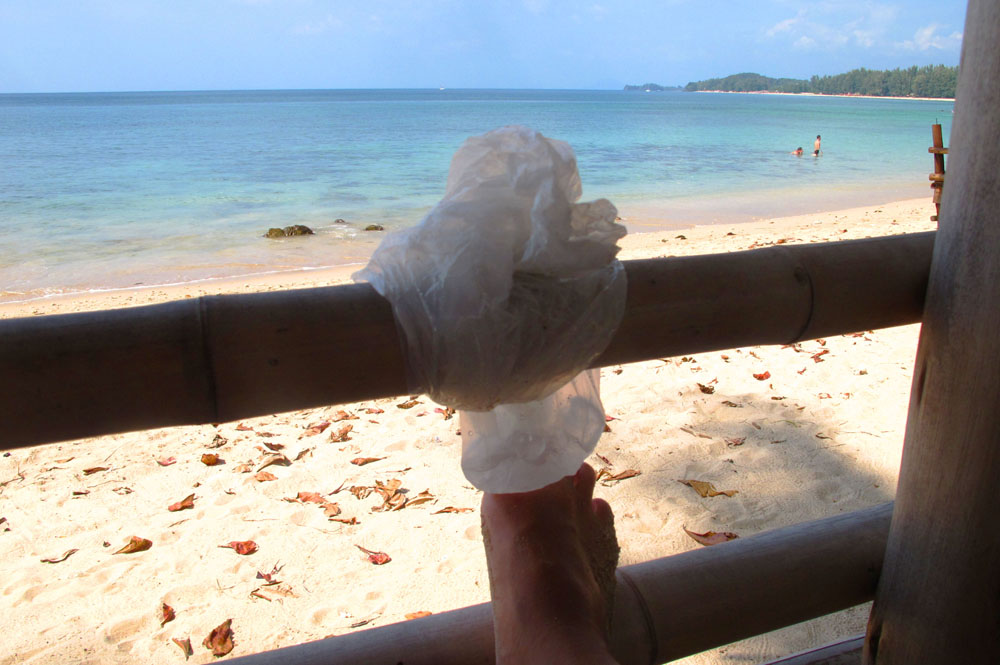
(222, 358)
(664, 609)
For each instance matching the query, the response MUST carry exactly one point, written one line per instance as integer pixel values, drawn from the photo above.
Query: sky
(116, 45)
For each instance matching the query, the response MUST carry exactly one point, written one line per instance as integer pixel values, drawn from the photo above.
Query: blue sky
(105, 45)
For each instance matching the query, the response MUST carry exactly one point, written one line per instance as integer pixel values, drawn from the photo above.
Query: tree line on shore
(928, 81)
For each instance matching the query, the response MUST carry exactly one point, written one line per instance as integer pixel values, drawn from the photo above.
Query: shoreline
(645, 236)
(826, 94)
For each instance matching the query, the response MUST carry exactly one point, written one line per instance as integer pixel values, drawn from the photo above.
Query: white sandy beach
(821, 436)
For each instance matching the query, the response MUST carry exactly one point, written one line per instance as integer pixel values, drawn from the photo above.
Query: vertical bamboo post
(938, 599)
(939, 151)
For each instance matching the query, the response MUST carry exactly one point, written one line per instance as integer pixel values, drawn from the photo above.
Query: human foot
(551, 555)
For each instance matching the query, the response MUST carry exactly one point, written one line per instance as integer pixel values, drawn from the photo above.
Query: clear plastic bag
(505, 292)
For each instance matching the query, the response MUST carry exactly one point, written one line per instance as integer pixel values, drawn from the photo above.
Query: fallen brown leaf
(708, 390)
(185, 645)
(452, 509)
(243, 547)
(265, 476)
(81, 492)
(342, 434)
(210, 459)
(59, 559)
(344, 415)
(331, 509)
(274, 458)
(243, 428)
(316, 428)
(135, 544)
(186, 502)
(417, 615)
(447, 412)
(706, 489)
(275, 447)
(218, 441)
(94, 469)
(220, 640)
(307, 497)
(375, 558)
(374, 410)
(423, 497)
(607, 478)
(167, 614)
(166, 461)
(710, 538)
(345, 520)
(408, 404)
(735, 441)
(732, 404)
(764, 376)
(818, 357)
(361, 461)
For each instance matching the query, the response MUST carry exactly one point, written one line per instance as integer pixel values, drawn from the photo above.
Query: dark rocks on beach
(294, 230)
(374, 227)
(339, 221)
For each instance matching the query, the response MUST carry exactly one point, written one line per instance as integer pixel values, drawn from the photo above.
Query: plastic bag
(505, 292)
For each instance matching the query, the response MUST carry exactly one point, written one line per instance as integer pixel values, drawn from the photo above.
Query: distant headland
(938, 81)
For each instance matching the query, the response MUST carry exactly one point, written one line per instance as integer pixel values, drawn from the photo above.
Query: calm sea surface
(110, 190)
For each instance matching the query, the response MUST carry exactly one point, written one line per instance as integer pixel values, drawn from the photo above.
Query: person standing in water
(816, 146)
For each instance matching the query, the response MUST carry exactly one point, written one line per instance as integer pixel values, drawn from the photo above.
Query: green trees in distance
(928, 81)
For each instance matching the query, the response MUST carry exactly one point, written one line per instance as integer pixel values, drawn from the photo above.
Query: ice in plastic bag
(505, 293)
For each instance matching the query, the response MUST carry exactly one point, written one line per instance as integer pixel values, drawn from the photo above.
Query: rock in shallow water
(294, 230)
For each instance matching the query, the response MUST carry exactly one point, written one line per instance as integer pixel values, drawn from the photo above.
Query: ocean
(103, 191)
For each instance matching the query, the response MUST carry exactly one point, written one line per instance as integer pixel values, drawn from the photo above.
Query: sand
(821, 436)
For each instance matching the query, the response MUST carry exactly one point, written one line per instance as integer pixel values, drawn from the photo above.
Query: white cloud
(805, 43)
(926, 38)
(783, 26)
(535, 6)
(830, 25)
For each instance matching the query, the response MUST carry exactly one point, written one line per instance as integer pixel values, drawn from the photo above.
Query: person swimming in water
(797, 152)
(816, 146)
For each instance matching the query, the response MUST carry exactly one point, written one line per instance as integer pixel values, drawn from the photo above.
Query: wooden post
(937, 178)
(939, 597)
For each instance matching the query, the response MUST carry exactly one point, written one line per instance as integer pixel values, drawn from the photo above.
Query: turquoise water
(109, 190)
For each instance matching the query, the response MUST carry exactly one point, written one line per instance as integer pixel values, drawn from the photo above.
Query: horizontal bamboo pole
(222, 358)
(847, 652)
(689, 602)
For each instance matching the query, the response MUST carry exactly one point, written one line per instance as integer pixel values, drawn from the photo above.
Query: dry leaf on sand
(607, 478)
(220, 640)
(135, 544)
(243, 547)
(185, 645)
(167, 614)
(342, 434)
(417, 615)
(710, 538)
(59, 559)
(706, 489)
(186, 502)
(361, 461)
(376, 558)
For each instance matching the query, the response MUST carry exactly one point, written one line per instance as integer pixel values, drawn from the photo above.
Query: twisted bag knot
(505, 292)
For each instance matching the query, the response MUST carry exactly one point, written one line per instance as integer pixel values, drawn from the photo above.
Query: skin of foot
(551, 555)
